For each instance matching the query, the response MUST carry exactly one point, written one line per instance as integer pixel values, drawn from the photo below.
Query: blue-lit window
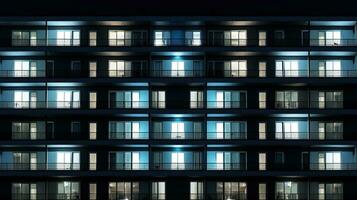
(128, 130)
(226, 130)
(28, 38)
(291, 130)
(193, 38)
(67, 99)
(226, 99)
(287, 68)
(161, 38)
(330, 68)
(129, 160)
(329, 38)
(63, 160)
(177, 130)
(223, 160)
(129, 99)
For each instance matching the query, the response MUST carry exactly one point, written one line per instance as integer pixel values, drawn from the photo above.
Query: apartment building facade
(214, 108)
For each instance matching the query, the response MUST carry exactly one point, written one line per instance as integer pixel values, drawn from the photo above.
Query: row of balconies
(179, 160)
(179, 38)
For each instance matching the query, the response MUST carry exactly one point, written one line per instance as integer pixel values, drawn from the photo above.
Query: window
(92, 191)
(262, 100)
(158, 191)
(279, 157)
(93, 131)
(236, 68)
(92, 38)
(92, 100)
(177, 69)
(162, 38)
(67, 99)
(287, 99)
(22, 99)
(235, 38)
(68, 38)
(262, 131)
(328, 100)
(196, 99)
(262, 191)
(177, 130)
(27, 130)
(196, 190)
(127, 130)
(92, 69)
(329, 38)
(330, 68)
(124, 190)
(262, 161)
(117, 38)
(177, 161)
(232, 190)
(287, 190)
(92, 161)
(158, 99)
(24, 38)
(25, 68)
(287, 130)
(279, 35)
(66, 160)
(119, 68)
(333, 161)
(262, 69)
(196, 38)
(329, 130)
(262, 38)
(287, 68)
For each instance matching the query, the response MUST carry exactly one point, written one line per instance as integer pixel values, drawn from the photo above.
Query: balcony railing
(41, 195)
(178, 42)
(308, 104)
(40, 104)
(39, 166)
(147, 73)
(186, 135)
(310, 166)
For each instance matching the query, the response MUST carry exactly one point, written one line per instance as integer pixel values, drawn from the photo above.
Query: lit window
(237, 68)
(92, 161)
(161, 38)
(67, 161)
(24, 99)
(92, 191)
(21, 68)
(92, 100)
(93, 131)
(262, 161)
(262, 100)
(68, 38)
(262, 38)
(117, 38)
(262, 69)
(177, 69)
(177, 161)
(287, 130)
(287, 68)
(158, 191)
(196, 99)
(92, 38)
(177, 130)
(262, 131)
(262, 191)
(235, 38)
(68, 99)
(92, 69)
(196, 190)
(118, 68)
(330, 68)
(287, 99)
(329, 38)
(158, 99)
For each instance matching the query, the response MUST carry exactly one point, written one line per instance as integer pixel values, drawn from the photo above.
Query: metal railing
(39, 166)
(147, 73)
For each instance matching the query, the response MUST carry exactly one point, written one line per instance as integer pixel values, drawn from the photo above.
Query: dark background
(178, 7)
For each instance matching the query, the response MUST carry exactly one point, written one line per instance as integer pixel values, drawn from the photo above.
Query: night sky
(178, 7)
